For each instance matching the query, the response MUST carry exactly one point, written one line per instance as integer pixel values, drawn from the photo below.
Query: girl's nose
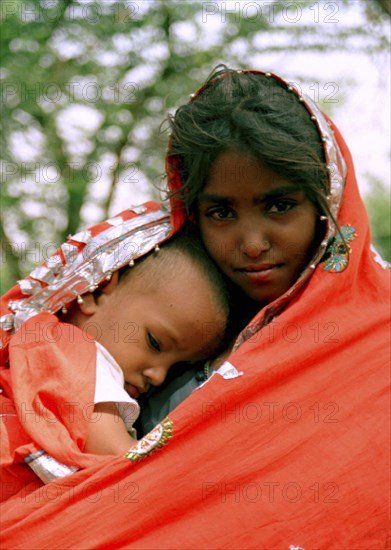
(254, 241)
(253, 249)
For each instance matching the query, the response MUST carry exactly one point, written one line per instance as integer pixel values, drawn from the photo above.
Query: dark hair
(180, 245)
(252, 113)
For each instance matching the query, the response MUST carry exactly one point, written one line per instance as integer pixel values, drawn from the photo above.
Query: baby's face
(149, 328)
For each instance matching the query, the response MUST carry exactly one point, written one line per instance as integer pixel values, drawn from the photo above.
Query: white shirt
(109, 387)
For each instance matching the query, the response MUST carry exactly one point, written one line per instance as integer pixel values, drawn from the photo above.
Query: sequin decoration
(155, 439)
(339, 250)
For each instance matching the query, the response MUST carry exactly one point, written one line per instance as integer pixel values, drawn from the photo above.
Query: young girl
(268, 183)
(292, 451)
(63, 382)
(256, 170)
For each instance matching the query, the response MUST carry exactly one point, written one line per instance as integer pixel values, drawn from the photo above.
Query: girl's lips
(259, 274)
(255, 267)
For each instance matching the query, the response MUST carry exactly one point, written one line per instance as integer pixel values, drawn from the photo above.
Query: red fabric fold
(42, 411)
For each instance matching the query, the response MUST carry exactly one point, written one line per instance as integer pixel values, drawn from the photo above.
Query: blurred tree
(378, 203)
(85, 86)
(384, 6)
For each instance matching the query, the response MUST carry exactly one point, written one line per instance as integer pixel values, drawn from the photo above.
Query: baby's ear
(91, 300)
(110, 286)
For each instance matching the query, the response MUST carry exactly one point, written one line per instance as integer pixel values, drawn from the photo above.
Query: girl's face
(258, 227)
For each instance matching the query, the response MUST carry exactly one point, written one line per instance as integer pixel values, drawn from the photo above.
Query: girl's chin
(260, 295)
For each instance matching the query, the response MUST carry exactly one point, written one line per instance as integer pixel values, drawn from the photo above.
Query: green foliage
(378, 203)
(85, 86)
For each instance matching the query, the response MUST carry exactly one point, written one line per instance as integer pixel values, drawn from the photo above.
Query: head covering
(336, 165)
(81, 264)
(288, 447)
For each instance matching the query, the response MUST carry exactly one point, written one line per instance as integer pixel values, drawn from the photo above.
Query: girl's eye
(281, 206)
(220, 213)
(153, 342)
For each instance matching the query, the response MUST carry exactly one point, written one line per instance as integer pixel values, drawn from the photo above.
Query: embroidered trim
(339, 250)
(88, 260)
(154, 440)
(48, 468)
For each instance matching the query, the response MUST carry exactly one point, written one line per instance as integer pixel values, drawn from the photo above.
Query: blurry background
(85, 86)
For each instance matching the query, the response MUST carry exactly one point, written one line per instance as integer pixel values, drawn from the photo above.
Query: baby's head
(170, 307)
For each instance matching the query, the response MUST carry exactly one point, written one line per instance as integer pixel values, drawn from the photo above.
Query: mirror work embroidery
(339, 250)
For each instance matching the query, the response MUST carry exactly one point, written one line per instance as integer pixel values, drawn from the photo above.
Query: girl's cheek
(220, 244)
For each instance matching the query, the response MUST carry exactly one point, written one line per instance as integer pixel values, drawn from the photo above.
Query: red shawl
(293, 453)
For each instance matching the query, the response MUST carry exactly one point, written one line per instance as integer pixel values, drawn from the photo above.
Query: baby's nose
(155, 375)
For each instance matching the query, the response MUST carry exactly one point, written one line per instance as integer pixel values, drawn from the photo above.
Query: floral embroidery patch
(339, 250)
(155, 439)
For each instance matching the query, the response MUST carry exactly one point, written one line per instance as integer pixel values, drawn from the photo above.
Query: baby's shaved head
(175, 257)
